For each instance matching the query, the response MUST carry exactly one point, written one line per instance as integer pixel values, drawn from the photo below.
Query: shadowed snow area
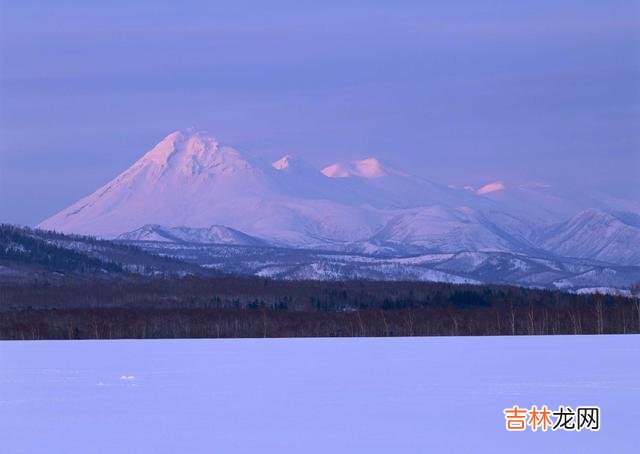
(313, 395)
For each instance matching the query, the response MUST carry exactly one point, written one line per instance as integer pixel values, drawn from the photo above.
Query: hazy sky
(463, 92)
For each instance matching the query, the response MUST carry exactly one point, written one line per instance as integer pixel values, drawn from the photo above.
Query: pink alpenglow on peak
(283, 163)
(289, 162)
(295, 166)
(370, 168)
(190, 153)
(337, 170)
(187, 142)
(365, 168)
(491, 187)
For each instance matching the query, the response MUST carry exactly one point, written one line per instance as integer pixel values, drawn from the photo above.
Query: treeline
(246, 307)
(44, 256)
(18, 244)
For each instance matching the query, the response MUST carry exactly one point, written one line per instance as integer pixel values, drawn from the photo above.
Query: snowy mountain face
(189, 188)
(593, 234)
(462, 267)
(216, 234)
(189, 179)
(447, 230)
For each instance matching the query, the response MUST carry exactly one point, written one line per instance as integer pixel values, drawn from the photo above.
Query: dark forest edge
(236, 307)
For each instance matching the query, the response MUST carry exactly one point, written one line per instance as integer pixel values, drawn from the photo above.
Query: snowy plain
(366, 395)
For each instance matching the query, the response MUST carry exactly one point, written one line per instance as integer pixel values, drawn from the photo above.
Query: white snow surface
(363, 395)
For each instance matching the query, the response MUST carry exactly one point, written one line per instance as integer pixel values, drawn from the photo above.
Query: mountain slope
(594, 234)
(443, 229)
(546, 203)
(216, 234)
(380, 184)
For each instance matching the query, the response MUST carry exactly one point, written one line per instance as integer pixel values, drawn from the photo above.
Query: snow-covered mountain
(546, 203)
(594, 234)
(216, 234)
(189, 179)
(444, 229)
(190, 188)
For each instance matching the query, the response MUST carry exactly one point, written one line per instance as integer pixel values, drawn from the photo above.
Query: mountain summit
(194, 153)
(365, 168)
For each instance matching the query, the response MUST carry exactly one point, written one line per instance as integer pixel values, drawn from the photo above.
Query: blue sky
(462, 92)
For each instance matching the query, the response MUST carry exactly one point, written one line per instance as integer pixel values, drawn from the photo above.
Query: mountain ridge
(190, 182)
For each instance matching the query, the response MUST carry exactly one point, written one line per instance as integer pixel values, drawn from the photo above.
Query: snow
(190, 180)
(282, 163)
(215, 234)
(491, 187)
(520, 265)
(369, 168)
(597, 235)
(443, 229)
(366, 168)
(424, 259)
(313, 395)
(439, 276)
(603, 291)
(337, 170)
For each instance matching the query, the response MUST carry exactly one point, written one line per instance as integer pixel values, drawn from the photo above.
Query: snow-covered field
(402, 395)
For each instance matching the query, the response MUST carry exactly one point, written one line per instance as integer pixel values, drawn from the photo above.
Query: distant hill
(31, 254)
(593, 234)
(216, 234)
